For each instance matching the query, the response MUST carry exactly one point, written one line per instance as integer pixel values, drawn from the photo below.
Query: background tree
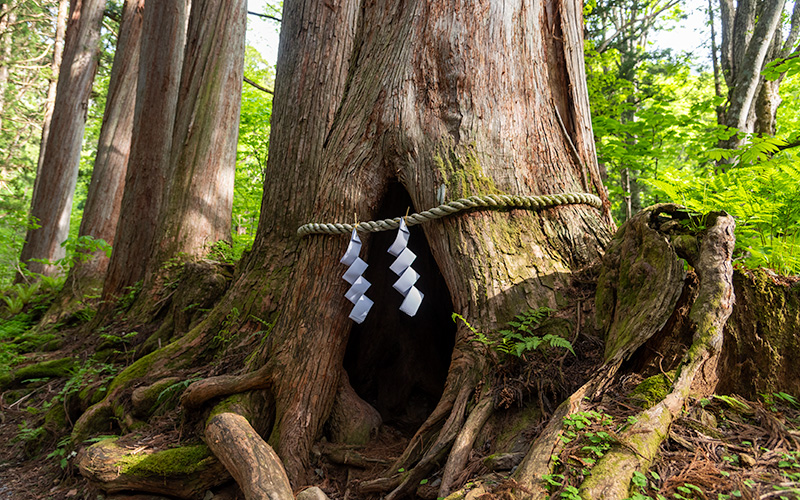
(101, 211)
(197, 206)
(32, 36)
(52, 198)
(751, 38)
(160, 60)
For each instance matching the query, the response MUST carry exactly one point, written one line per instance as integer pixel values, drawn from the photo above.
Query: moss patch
(46, 369)
(182, 461)
(652, 390)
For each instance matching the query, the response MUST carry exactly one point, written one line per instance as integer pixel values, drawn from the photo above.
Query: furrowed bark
(164, 32)
(52, 198)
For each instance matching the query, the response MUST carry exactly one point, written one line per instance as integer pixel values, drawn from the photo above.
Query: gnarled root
(463, 443)
(224, 385)
(611, 476)
(249, 459)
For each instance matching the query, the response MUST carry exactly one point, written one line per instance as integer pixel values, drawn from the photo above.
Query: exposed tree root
(183, 473)
(352, 420)
(463, 443)
(438, 450)
(538, 460)
(250, 460)
(610, 478)
(224, 385)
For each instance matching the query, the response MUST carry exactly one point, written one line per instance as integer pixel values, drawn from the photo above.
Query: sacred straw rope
(445, 209)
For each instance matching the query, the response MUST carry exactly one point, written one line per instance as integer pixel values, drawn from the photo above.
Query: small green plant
(221, 251)
(62, 453)
(519, 336)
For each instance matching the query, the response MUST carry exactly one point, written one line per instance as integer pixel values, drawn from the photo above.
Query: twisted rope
(445, 209)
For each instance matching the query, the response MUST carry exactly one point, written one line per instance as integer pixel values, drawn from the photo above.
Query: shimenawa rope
(450, 208)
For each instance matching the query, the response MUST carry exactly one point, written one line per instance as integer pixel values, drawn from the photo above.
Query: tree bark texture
(58, 54)
(162, 44)
(425, 99)
(251, 461)
(748, 30)
(52, 200)
(199, 196)
(460, 98)
(102, 210)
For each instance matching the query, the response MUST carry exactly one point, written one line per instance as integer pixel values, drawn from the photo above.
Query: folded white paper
(355, 294)
(406, 281)
(402, 267)
(412, 301)
(362, 307)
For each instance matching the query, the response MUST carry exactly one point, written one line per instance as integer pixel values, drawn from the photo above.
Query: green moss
(56, 418)
(652, 390)
(46, 369)
(462, 173)
(231, 404)
(182, 461)
(526, 417)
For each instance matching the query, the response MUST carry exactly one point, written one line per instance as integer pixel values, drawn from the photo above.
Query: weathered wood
(182, 472)
(250, 460)
(462, 446)
(636, 295)
(611, 476)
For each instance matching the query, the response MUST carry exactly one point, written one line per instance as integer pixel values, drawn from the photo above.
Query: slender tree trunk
(746, 40)
(104, 198)
(5, 55)
(162, 44)
(199, 199)
(58, 52)
(52, 198)
(715, 62)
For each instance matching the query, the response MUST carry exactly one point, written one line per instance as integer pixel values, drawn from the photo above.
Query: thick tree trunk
(379, 107)
(58, 52)
(162, 45)
(430, 106)
(198, 203)
(102, 210)
(52, 198)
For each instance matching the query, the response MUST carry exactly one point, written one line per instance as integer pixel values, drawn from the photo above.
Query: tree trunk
(747, 34)
(58, 52)
(422, 106)
(6, 20)
(101, 213)
(163, 36)
(197, 207)
(52, 198)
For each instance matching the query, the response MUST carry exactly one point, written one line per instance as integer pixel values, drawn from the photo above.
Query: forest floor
(723, 447)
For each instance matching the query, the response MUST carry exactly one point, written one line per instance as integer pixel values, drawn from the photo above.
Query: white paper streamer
(356, 268)
(402, 268)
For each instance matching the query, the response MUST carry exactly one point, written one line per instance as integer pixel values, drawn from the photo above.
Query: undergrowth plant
(519, 336)
(760, 189)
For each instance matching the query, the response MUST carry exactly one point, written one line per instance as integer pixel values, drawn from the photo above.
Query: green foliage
(519, 336)
(761, 191)
(251, 158)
